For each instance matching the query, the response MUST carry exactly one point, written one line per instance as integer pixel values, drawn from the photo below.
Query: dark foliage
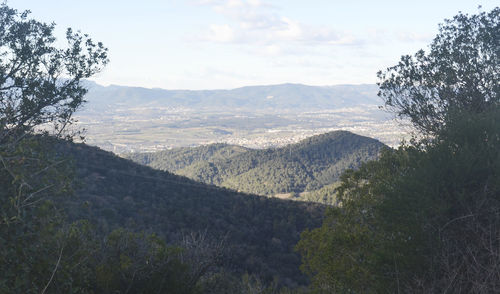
(34, 99)
(261, 232)
(422, 219)
(425, 218)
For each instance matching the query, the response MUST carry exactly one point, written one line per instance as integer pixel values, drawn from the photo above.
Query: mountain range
(283, 97)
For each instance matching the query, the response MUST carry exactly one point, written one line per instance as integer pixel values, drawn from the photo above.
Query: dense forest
(109, 210)
(261, 232)
(305, 166)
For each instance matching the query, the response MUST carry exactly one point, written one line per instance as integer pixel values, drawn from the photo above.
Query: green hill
(179, 158)
(306, 166)
(115, 192)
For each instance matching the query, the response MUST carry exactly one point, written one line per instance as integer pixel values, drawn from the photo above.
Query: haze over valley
(130, 119)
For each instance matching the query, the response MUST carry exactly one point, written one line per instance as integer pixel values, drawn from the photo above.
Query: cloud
(256, 22)
(294, 31)
(220, 33)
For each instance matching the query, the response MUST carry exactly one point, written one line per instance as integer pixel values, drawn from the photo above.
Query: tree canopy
(460, 72)
(40, 84)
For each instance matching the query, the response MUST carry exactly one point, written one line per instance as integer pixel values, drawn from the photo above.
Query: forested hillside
(261, 232)
(306, 166)
(180, 158)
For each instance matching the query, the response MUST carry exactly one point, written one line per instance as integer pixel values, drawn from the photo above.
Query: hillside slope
(179, 158)
(306, 166)
(114, 192)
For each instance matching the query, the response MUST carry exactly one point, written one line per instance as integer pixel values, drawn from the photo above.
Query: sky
(224, 44)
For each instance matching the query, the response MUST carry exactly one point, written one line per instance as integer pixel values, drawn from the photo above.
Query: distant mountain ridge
(281, 97)
(306, 166)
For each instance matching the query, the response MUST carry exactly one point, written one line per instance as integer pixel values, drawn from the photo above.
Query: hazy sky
(208, 44)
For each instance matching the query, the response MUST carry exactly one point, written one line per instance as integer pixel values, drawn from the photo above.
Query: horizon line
(228, 89)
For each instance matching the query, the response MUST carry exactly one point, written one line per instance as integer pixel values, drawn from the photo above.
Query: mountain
(306, 166)
(261, 232)
(284, 97)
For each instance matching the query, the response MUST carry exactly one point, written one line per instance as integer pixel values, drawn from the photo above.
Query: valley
(125, 119)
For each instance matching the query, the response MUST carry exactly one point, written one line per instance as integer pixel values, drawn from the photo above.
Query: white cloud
(291, 31)
(220, 33)
(255, 22)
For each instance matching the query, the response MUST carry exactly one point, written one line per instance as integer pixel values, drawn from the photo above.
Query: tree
(40, 89)
(138, 263)
(355, 249)
(459, 73)
(425, 218)
(40, 84)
